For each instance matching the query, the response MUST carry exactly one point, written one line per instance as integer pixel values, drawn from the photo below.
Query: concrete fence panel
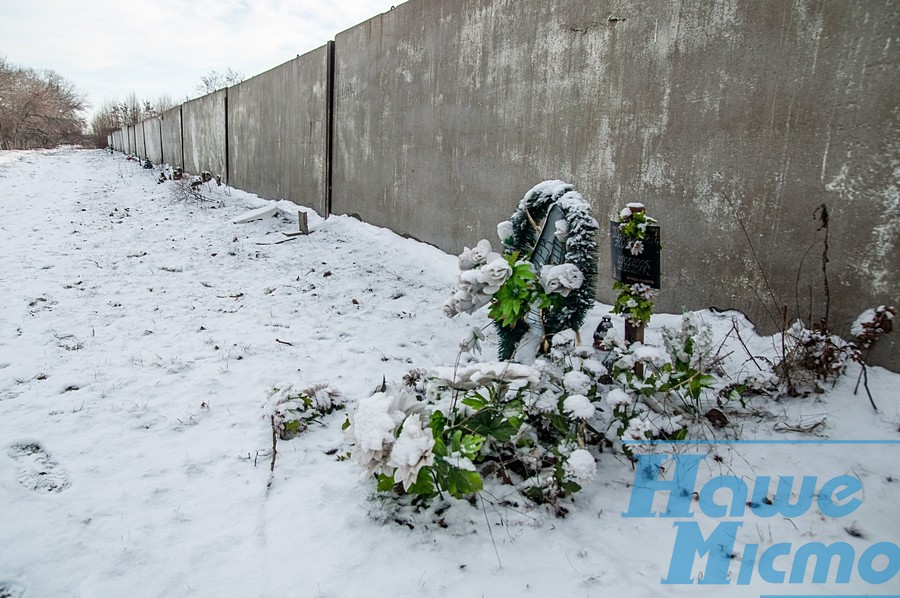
(171, 137)
(277, 131)
(713, 114)
(204, 134)
(153, 140)
(140, 144)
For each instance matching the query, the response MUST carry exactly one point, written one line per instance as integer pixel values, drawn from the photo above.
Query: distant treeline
(38, 108)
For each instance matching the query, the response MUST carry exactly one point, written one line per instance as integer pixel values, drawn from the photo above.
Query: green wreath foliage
(581, 251)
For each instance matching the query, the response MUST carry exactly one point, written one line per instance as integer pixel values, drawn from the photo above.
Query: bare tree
(115, 114)
(38, 108)
(214, 80)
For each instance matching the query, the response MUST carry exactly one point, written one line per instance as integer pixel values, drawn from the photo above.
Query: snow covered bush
(814, 356)
(672, 385)
(811, 356)
(291, 411)
(532, 426)
(871, 324)
(515, 283)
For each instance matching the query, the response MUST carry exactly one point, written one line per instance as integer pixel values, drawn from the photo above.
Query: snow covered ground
(138, 337)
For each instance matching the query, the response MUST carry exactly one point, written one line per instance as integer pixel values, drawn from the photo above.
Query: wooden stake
(301, 220)
(635, 334)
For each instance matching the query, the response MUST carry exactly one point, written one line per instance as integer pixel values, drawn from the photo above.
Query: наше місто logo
(725, 503)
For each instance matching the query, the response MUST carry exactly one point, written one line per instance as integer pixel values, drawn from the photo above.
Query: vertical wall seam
(329, 127)
(181, 126)
(227, 146)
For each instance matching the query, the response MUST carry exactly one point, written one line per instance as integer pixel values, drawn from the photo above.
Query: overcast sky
(108, 48)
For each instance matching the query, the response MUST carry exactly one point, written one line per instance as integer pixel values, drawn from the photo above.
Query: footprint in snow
(37, 470)
(11, 589)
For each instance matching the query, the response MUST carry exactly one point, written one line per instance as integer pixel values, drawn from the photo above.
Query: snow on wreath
(544, 281)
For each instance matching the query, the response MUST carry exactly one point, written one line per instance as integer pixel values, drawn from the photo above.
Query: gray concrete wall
(446, 113)
(171, 137)
(204, 134)
(277, 127)
(153, 140)
(140, 145)
(130, 139)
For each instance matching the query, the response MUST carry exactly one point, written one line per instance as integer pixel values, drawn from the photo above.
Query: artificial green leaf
(385, 483)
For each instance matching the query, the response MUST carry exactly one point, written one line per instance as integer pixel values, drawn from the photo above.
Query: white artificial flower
(480, 252)
(472, 342)
(577, 382)
(372, 424)
(643, 290)
(465, 259)
(562, 231)
(371, 431)
(581, 466)
(570, 276)
(550, 282)
(625, 214)
(469, 281)
(637, 247)
(411, 451)
(561, 279)
(505, 230)
(494, 274)
(579, 406)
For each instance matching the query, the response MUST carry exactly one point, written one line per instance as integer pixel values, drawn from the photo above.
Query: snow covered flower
(562, 343)
(577, 382)
(581, 466)
(638, 429)
(371, 431)
(550, 283)
(570, 276)
(562, 231)
(642, 290)
(544, 402)
(618, 397)
(561, 279)
(625, 214)
(579, 406)
(469, 281)
(471, 258)
(480, 252)
(472, 342)
(412, 451)
(373, 424)
(449, 308)
(505, 230)
(494, 275)
(594, 367)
